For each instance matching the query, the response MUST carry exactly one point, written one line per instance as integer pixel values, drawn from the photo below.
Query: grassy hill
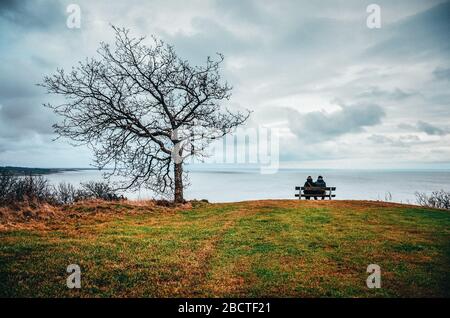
(259, 248)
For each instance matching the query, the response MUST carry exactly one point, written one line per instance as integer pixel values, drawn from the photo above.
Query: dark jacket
(320, 183)
(309, 184)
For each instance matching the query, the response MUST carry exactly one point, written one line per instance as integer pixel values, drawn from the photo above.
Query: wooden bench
(327, 192)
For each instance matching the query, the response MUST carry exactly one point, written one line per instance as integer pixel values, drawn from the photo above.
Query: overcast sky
(343, 94)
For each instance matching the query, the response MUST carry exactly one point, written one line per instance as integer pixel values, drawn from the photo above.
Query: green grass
(249, 249)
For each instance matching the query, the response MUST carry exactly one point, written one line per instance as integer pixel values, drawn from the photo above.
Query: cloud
(20, 118)
(245, 10)
(401, 141)
(16, 79)
(441, 73)
(296, 53)
(395, 94)
(430, 129)
(218, 37)
(322, 126)
(32, 14)
(424, 34)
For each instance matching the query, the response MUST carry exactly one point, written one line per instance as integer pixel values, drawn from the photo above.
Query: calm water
(246, 184)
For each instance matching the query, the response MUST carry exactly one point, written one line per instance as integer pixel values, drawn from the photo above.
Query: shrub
(34, 188)
(437, 199)
(65, 193)
(15, 189)
(99, 190)
(7, 188)
(37, 189)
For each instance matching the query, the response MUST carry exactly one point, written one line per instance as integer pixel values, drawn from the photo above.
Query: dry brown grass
(30, 216)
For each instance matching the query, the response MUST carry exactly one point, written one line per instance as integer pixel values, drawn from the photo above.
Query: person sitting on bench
(320, 183)
(308, 184)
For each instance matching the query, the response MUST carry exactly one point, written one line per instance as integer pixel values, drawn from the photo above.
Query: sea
(242, 184)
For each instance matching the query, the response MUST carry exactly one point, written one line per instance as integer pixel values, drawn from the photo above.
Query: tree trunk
(178, 183)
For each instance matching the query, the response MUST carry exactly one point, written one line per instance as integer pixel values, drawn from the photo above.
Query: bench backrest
(316, 188)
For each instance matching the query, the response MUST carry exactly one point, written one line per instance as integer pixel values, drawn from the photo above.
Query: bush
(37, 189)
(34, 188)
(99, 190)
(65, 193)
(7, 187)
(437, 199)
(15, 189)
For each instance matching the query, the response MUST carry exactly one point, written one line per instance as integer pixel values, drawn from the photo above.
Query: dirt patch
(197, 265)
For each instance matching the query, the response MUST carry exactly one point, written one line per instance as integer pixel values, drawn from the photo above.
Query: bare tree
(143, 110)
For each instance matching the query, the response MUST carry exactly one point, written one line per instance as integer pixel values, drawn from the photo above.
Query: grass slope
(260, 248)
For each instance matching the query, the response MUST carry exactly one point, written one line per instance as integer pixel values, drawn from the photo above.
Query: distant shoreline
(38, 171)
